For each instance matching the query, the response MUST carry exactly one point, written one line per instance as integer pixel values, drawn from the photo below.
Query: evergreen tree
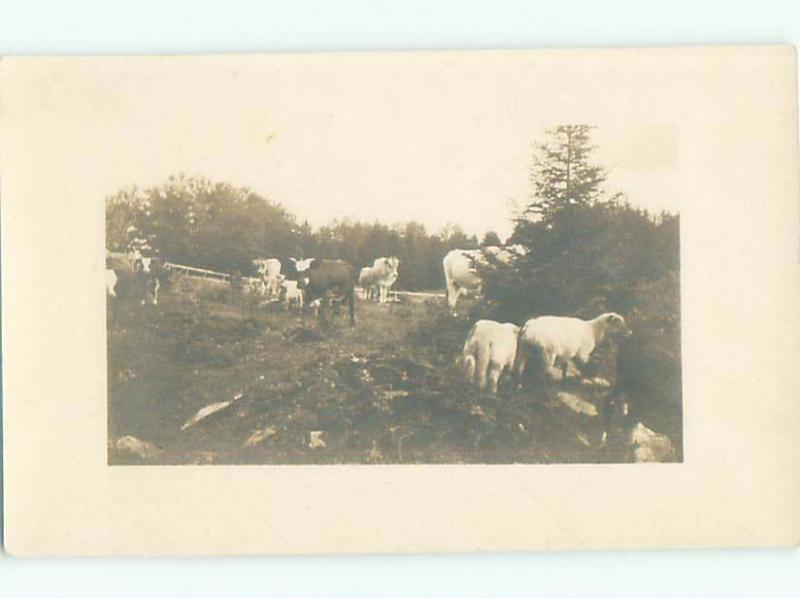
(562, 175)
(491, 238)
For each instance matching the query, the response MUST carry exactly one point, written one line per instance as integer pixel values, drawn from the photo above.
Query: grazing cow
(334, 277)
(490, 350)
(381, 276)
(270, 272)
(647, 389)
(292, 294)
(111, 282)
(565, 340)
(461, 269)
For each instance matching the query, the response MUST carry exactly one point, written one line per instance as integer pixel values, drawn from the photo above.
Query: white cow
(111, 282)
(461, 269)
(270, 271)
(381, 276)
(292, 294)
(490, 350)
(564, 340)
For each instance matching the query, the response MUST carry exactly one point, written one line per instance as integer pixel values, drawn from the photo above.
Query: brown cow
(335, 277)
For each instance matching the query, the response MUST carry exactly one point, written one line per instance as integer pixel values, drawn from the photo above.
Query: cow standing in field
(146, 272)
(461, 269)
(381, 276)
(269, 270)
(561, 340)
(136, 274)
(490, 350)
(330, 277)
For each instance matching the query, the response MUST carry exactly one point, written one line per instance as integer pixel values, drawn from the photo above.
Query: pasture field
(388, 390)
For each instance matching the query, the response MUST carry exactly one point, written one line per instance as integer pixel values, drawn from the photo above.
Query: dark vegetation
(196, 222)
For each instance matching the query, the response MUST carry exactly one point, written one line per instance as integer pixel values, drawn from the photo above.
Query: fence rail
(196, 272)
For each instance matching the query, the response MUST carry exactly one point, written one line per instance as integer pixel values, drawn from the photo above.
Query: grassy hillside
(388, 390)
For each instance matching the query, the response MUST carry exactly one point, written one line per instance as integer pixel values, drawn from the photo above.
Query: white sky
(443, 139)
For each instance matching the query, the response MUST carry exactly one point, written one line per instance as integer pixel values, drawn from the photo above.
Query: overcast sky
(438, 140)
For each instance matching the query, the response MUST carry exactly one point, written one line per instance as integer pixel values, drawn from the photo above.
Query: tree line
(218, 226)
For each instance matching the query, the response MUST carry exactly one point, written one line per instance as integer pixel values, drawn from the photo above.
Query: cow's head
(302, 265)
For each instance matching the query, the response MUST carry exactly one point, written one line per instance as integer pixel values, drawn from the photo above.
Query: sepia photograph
(435, 284)
(399, 302)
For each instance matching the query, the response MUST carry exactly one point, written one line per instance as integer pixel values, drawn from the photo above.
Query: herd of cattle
(492, 352)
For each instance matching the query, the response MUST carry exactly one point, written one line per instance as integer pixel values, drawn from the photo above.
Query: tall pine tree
(561, 175)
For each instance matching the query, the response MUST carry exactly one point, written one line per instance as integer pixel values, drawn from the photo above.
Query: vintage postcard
(400, 302)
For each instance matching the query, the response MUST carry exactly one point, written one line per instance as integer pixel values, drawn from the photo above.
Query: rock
(601, 382)
(259, 436)
(315, 440)
(650, 446)
(596, 382)
(134, 446)
(209, 410)
(577, 404)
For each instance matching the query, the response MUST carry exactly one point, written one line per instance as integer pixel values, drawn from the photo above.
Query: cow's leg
(482, 366)
(495, 371)
(452, 296)
(548, 363)
(459, 293)
(469, 368)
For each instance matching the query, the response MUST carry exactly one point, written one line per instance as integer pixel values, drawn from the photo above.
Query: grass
(388, 390)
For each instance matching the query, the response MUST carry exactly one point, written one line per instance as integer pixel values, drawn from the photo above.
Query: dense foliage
(220, 227)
